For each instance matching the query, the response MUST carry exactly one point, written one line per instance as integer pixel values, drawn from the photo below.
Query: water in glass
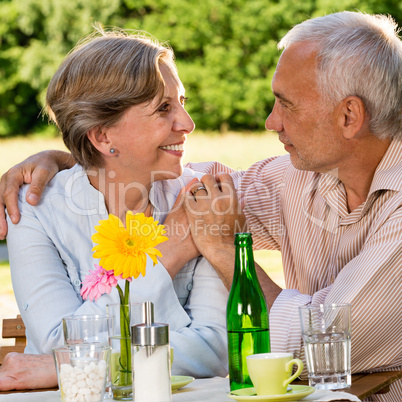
(328, 360)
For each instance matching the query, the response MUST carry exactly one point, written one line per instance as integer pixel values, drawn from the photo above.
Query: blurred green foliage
(226, 49)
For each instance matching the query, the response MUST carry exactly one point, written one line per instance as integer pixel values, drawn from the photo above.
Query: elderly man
(333, 206)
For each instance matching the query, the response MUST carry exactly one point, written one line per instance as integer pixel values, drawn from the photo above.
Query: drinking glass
(86, 329)
(326, 331)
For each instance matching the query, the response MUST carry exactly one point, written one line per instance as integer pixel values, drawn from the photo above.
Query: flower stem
(125, 341)
(127, 293)
(121, 294)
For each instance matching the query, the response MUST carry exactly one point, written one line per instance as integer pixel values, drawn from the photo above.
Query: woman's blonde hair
(104, 75)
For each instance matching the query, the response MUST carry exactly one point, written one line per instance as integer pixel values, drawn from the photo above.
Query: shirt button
(26, 306)
(189, 286)
(77, 282)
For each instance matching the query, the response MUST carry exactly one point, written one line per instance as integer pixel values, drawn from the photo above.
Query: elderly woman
(119, 104)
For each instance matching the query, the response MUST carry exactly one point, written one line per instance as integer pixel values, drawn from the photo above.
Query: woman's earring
(112, 150)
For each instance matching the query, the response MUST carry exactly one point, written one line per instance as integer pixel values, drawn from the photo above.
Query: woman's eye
(164, 107)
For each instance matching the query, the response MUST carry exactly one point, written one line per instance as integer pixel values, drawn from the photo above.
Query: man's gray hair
(358, 54)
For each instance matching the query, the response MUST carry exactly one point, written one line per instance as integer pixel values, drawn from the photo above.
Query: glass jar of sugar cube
(82, 371)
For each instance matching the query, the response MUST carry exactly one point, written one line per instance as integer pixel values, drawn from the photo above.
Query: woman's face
(149, 138)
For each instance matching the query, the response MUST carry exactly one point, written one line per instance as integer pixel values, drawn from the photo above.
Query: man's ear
(352, 116)
(99, 140)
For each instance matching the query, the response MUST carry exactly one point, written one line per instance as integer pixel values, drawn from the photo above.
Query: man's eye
(183, 100)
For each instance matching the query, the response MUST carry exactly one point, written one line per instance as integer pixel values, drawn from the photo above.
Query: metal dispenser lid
(150, 333)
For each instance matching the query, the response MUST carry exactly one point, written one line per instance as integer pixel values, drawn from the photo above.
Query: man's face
(305, 123)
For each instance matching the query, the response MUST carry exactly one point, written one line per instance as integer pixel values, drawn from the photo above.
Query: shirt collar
(387, 176)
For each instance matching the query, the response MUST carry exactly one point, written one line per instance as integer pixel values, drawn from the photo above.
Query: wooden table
(364, 385)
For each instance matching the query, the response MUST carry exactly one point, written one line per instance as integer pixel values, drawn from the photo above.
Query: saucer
(179, 381)
(248, 394)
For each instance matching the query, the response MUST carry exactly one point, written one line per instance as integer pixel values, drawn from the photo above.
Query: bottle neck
(244, 262)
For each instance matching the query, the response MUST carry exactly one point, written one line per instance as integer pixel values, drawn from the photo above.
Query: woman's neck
(121, 194)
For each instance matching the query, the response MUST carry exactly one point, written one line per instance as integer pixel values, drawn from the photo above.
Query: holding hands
(214, 215)
(214, 212)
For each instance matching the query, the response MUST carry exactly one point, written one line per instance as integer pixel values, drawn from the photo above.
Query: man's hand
(180, 248)
(23, 371)
(37, 170)
(214, 215)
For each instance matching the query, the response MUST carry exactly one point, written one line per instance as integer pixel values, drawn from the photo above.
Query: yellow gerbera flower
(125, 249)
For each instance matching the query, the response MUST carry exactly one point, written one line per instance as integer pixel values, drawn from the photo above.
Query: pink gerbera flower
(98, 282)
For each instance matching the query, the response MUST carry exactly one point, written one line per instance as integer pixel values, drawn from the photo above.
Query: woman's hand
(180, 248)
(23, 371)
(37, 170)
(214, 216)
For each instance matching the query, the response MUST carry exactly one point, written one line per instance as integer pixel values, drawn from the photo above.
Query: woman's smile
(174, 149)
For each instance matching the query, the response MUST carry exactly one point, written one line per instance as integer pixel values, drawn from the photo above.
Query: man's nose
(274, 120)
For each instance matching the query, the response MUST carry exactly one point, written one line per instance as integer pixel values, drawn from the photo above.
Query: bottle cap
(149, 333)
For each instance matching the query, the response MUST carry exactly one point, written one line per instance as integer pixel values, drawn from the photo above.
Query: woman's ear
(352, 116)
(100, 140)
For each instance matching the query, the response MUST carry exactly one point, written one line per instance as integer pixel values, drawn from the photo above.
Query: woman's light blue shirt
(50, 253)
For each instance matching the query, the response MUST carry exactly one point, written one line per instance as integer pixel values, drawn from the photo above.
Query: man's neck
(358, 175)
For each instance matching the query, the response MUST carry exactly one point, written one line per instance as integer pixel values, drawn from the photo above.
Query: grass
(236, 150)
(15, 150)
(5, 279)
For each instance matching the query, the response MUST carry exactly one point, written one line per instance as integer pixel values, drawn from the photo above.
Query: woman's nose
(184, 122)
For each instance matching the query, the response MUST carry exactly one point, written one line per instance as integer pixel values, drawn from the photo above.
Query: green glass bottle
(246, 314)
